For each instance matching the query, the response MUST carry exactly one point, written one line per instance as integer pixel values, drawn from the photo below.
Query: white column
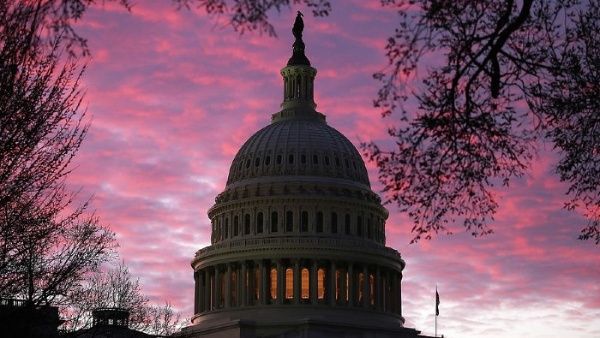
(351, 283)
(313, 282)
(201, 292)
(366, 290)
(297, 281)
(244, 285)
(332, 285)
(228, 287)
(280, 290)
(207, 294)
(218, 282)
(264, 287)
(378, 287)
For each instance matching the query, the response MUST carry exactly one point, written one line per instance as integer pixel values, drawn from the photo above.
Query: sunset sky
(173, 94)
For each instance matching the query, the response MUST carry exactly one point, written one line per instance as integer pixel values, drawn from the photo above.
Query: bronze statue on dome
(298, 26)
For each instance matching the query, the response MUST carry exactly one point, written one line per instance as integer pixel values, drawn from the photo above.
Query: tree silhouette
(513, 73)
(48, 243)
(117, 288)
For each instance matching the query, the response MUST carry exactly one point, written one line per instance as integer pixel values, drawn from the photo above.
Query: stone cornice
(347, 249)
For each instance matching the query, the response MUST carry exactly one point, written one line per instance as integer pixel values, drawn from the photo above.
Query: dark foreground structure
(109, 323)
(19, 318)
(298, 236)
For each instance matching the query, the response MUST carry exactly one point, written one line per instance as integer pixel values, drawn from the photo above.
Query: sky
(173, 94)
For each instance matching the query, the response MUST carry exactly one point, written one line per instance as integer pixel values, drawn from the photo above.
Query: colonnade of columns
(298, 86)
(297, 281)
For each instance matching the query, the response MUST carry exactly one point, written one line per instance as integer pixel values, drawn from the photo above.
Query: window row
(263, 284)
(306, 162)
(370, 227)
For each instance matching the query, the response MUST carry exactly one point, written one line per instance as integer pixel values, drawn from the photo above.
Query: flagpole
(436, 307)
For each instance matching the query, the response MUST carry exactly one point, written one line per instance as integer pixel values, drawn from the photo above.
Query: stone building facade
(298, 236)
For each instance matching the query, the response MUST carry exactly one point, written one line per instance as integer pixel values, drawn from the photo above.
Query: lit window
(273, 283)
(321, 283)
(304, 283)
(289, 283)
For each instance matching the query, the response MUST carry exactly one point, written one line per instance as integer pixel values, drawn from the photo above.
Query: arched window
(304, 222)
(274, 221)
(319, 221)
(291, 158)
(259, 223)
(278, 159)
(226, 227)
(289, 221)
(235, 226)
(273, 283)
(347, 224)
(304, 289)
(321, 283)
(267, 160)
(257, 162)
(315, 159)
(303, 159)
(359, 226)
(289, 283)
(334, 222)
(247, 224)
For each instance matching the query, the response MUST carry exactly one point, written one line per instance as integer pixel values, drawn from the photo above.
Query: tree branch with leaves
(475, 118)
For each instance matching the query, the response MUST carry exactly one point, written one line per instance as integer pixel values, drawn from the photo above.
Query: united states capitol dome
(297, 235)
(299, 146)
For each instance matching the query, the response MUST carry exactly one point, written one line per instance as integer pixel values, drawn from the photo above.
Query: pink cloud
(174, 96)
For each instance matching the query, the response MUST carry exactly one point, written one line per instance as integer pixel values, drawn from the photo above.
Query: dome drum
(292, 283)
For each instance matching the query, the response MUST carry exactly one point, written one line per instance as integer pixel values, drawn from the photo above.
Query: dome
(297, 147)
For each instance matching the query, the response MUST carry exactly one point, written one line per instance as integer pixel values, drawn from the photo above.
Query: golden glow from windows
(273, 283)
(304, 284)
(289, 283)
(321, 283)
